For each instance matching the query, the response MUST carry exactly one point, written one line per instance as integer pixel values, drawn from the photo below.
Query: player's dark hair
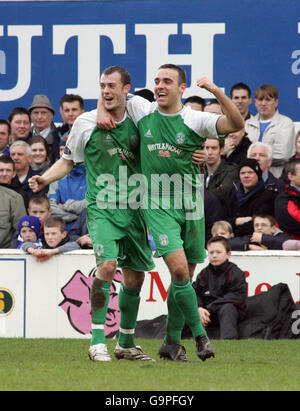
(219, 239)
(125, 76)
(180, 71)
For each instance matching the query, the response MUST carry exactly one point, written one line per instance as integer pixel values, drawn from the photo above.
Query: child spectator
(29, 230)
(56, 241)
(222, 228)
(39, 206)
(266, 236)
(221, 290)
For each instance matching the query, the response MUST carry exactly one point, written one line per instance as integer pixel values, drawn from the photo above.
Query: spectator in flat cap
(42, 113)
(249, 196)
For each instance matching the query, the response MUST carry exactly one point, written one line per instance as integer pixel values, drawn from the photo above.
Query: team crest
(163, 240)
(180, 137)
(99, 250)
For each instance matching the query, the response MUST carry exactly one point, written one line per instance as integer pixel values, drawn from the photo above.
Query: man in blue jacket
(67, 197)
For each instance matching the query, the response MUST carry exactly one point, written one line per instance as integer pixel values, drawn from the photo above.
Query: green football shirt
(111, 159)
(167, 144)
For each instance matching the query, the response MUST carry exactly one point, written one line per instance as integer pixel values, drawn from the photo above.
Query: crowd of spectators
(30, 143)
(251, 178)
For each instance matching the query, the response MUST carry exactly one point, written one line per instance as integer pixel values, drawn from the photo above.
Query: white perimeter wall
(51, 299)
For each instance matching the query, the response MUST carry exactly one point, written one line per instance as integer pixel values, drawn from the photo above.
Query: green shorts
(171, 232)
(120, 235)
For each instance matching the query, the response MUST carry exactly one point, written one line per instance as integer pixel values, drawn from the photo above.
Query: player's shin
(186, 299)
(100, 292)
(129, 301)
(175, 319)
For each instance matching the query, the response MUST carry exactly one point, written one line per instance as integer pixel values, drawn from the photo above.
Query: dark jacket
(221, 181)
(216, 286)
(259, 202)
(26, 188)
(269, 242)
(239, 154)
(212, 210)
(275, 183)
(79, 228)
(287, 211)
(63, 131)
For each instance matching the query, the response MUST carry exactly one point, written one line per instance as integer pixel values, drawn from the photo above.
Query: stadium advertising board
(51, 299)
(60, 47)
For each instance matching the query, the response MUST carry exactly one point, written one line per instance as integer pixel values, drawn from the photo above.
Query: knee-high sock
(129, 301)
(100, 291)
(175, 319)
(186, 299)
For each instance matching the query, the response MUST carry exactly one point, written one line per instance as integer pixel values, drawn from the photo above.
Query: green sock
(186, 299)
(175, 319)
(129, 301)
(99, 295)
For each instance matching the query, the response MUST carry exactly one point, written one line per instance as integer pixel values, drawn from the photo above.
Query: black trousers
(227, 317)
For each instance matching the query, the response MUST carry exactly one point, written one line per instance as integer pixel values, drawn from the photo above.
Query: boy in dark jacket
(266, 236)
(221, 290)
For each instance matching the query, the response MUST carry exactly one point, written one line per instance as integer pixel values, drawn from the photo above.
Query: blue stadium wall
(61, 47)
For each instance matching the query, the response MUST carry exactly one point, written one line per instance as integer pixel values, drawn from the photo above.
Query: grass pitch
(63, 365)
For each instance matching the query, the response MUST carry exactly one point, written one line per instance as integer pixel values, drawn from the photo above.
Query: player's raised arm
(232, 120)
(58, 170)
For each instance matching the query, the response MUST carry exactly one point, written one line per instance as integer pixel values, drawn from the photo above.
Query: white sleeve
(79, 136)
(202, 123)
(138, 107)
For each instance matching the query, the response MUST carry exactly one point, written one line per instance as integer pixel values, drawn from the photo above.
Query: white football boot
(98, 352)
